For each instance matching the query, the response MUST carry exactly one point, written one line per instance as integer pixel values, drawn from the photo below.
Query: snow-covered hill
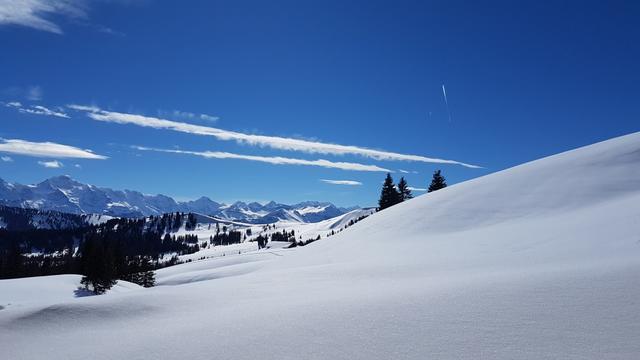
(52, 289)
(64, 194)
(305, 233)
(540, 261)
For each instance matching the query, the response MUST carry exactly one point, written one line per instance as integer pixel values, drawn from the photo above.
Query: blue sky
(523, 80)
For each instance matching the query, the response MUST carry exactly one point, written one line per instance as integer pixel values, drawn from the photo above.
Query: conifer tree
(13, 263)
(147, 276)
(98, 266)
(403, 189)
(389, 196)
(438, 182)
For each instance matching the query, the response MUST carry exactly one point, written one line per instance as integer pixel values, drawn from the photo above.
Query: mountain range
(64, 194)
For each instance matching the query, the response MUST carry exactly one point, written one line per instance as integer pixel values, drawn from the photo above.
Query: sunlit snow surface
(541, 261)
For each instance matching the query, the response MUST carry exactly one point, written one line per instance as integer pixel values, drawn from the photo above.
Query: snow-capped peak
(63, 193)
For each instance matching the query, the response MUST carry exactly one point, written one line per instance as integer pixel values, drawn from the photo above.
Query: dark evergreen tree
(262, 241)
(191, 222)
(177, 222)
(389, 196)
(403, 189)
(13, 263)
(147, 275)
(98, 266)
(139, 271)
(438, 182)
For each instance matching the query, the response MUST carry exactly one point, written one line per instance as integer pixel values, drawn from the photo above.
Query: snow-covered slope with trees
(47, 290)
(12, 218)
(206, 228)
(540, 261)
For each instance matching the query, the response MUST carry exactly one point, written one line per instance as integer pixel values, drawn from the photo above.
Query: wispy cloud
(46, 149)
(275, 142)
(31, 93)
(36, 110)
(40, 14)
(209, 117)
(34, 93)
(341, 182)
(6, 158)
(107, 30)
(177, 114)
(41, 110)
(54, 164)
(35, 13)
(275, 160)
(416, 189)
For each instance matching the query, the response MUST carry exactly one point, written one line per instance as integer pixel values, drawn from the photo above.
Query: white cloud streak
(275, 160)
(416, 189)
(41, 110)
(6, 158)
(188, 115)
(274, 142)
(341, 182)
(35, 13)
(36, 110)
(209, 118)
(46, 149)
(53, 164)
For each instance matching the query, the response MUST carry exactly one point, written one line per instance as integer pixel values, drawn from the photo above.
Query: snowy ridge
(540, 261)
(64, 194)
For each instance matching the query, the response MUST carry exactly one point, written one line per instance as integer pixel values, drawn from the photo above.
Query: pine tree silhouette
(438, 182)
(403, 189)
(389, 196)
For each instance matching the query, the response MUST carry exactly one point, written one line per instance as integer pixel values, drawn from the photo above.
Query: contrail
(274, 142)
(444, 92)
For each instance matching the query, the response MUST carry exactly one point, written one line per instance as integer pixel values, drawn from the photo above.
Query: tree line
(392, 194)
(103, 261)
(14, 219)
(127, 249)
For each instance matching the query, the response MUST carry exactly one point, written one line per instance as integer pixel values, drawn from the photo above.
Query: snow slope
(47, 290)
(305, 232)
(540, 261)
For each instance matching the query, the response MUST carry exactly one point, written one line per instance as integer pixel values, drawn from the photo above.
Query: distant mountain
(64, 194)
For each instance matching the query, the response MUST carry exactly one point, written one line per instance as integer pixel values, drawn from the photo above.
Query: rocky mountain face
(64, 194)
